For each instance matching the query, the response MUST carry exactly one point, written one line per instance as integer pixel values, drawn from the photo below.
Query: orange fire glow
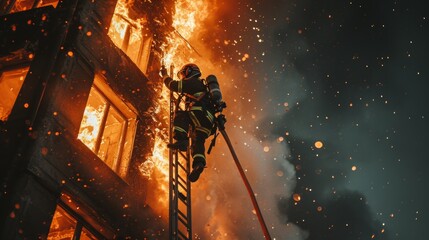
(90, 126)
(186, 21)
(119, 24)
(130, 35)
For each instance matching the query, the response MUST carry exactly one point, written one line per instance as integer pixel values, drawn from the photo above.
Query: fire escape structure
(180, 219)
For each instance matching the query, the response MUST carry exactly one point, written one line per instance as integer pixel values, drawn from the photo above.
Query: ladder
(180, 220)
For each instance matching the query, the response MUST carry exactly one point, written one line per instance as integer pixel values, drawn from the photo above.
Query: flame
(130, 35)
(186, 21)
(120, 22)
(177, 51)
(90, 125)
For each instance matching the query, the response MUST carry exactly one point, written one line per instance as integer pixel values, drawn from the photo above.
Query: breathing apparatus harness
(215, 103)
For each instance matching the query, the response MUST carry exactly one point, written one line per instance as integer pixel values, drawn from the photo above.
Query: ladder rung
(182, 185)
(182, 179)
(183, 167)
(179, 183)
(181, 225)
(182, 235)
(183, 155)
(177, 163)
(181, 214)
(183, 220)
(182, 197)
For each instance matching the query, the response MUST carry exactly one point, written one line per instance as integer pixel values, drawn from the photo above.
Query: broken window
(10, 84)
(108, 127)
(131, 36)
(23, 5)
(64, 226)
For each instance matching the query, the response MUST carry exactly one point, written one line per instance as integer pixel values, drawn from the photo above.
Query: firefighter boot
(181, 145)
(197, 169)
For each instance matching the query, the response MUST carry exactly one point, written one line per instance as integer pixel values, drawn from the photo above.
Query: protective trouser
(201, 122)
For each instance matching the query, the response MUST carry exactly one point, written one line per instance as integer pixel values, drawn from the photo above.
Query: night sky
(351, 74)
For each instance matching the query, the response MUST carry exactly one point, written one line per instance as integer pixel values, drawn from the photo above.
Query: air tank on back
(214, 89)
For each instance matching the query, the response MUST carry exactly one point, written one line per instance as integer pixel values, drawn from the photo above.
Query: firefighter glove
(163, 72)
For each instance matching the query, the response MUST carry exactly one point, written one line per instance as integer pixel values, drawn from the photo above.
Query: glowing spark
(318, 144)
(296, 197)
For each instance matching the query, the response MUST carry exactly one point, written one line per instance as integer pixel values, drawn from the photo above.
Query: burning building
(79, 85)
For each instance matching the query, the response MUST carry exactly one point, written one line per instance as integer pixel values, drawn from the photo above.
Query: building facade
(79, 82)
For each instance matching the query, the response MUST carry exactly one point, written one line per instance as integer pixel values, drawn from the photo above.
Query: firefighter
(198, 115)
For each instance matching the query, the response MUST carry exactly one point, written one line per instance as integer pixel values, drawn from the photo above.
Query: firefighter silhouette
(199, 114)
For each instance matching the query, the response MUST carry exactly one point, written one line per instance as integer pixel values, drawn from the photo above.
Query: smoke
(221, 205)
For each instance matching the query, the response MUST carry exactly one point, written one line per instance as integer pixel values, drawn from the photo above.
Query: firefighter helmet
(188, 71)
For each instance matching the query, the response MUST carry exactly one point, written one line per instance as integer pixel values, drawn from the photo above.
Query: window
(10, 84)
(23, 5)
(108, 127)
(65, 227)
(131, 36)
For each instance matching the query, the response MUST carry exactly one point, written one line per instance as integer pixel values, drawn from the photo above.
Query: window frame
(143, 53)
(80, 222)
(121, 162)
(110, 104)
